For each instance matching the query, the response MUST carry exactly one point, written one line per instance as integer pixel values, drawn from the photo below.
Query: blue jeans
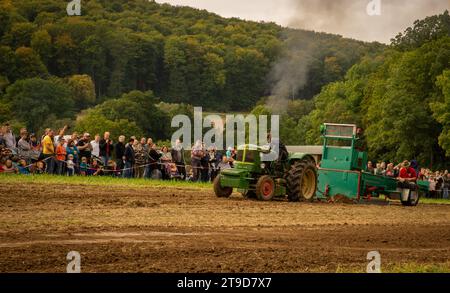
(129, 170)
(105, 160)
(445, 193)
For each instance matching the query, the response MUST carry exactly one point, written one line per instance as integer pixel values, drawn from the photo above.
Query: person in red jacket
(407, 177)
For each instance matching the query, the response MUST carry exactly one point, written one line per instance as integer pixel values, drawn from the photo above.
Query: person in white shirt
(96, 146)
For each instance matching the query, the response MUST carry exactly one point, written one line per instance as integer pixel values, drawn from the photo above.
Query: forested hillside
(53, 66)
(400, 97)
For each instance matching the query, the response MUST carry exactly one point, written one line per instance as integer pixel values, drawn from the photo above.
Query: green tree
(28, 64)
(33, 100)
(441, 110)
(83, 90)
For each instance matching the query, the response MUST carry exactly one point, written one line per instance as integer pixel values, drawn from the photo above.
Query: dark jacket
(129, 154)
(120, 150)
(105, 150)
(178, 155)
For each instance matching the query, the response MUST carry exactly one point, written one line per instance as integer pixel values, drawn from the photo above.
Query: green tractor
(294, 175)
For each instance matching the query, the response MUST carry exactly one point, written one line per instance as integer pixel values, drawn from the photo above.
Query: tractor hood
(234, 172)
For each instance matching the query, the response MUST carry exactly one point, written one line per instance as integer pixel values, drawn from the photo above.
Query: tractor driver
(282, 153)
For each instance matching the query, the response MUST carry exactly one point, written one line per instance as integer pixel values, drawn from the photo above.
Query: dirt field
(189, 230)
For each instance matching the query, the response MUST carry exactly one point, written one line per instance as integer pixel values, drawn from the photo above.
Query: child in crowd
(23, 168)
(83, 166)
(9, 167)
(70, 165)
(39, 168)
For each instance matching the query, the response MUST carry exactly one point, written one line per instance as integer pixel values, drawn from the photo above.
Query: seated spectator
(390, 172)
(370, 168)
(38, 168)
(407, 176)
(9, 167)
(22, 167)
(94, 169)
(378, 170)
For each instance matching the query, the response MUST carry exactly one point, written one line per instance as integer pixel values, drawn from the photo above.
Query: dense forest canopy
(129, 66)
(181, 54)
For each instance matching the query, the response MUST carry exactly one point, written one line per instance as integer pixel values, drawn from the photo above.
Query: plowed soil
(190, 230)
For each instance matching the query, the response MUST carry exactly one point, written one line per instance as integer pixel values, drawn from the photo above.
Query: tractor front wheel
(302, 181)
(221, 191)
(265, 188)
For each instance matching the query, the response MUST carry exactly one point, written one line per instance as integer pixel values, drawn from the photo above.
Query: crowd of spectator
(439, 181)
(82, 155)
(73, 154)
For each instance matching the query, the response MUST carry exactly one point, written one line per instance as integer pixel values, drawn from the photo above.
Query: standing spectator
(140, 159)
(224, 164)
(70, 165)
(204, 173)
(34, 143)
(61, 153)
(153, 162)
(24, 148)
(106, 148)
(72, 150)
(129, 159)
(84, 166)
(96, 146)
(120, 153)
(48, 152)
(74, 138)
(214, 159)
(10, 139)
(446, 179)
(439, 183)
(60, 134)
(178, 158)
(148, 168)
(196, 160)
(84, 147)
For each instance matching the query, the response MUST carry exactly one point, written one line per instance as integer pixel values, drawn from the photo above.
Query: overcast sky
(345, 17)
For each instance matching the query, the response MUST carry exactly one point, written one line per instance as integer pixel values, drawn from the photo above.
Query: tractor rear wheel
(221, 191)
(302, 181)
(265, 188)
